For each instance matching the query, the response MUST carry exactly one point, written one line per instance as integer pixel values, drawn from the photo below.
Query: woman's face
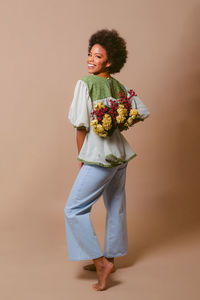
(98, 61)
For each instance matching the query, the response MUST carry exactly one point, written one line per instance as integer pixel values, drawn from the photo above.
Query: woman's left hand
(80, 164)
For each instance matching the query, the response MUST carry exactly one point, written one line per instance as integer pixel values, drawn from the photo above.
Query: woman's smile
(91, 65)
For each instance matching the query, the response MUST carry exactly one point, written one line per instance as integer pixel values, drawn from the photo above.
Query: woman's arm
(80, 137)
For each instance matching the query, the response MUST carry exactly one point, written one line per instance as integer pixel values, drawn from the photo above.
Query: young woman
(103, 161)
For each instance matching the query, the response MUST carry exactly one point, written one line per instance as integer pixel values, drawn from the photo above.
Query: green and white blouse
(112, 150)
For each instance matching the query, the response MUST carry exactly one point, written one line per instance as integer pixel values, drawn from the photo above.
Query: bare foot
(91, 267)
(104, 268)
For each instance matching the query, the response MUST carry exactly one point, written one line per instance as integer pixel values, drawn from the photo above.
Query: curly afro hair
(114, 45)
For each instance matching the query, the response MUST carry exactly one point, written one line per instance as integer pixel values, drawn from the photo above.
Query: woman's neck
(104, 74)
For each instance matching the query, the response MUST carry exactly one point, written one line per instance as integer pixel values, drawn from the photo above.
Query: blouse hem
(106, 166)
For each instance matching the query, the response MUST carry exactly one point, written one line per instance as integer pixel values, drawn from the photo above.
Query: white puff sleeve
(137, 103)
(79, 114)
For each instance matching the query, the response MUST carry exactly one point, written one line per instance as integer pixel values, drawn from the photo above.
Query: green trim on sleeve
(80, 127)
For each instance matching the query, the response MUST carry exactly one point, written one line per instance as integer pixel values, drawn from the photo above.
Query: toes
(90, 267)
(95, 286)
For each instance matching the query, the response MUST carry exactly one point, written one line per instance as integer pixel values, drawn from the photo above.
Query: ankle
(98, 261)
(111, 259)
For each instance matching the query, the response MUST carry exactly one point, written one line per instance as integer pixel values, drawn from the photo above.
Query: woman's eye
(89, 54)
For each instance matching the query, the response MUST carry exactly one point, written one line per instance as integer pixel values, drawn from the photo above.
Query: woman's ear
(108, 64)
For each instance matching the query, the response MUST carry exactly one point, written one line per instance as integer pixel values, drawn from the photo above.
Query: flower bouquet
(119, 114)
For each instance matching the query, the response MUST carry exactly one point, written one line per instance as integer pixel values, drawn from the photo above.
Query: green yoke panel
(101, 87)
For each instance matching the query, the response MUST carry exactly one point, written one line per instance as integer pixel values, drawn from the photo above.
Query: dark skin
(98, 64)
(80, 137)
(97, 61)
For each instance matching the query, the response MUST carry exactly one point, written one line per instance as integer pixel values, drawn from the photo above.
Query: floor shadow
(90, 275)
(164, 230)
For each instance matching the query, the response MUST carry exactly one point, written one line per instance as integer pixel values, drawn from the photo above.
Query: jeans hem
(85, 258)
(116, 255)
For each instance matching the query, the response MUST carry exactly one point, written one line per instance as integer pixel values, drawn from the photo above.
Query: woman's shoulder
(91, 80)
(120, 85)
(93, 83)
(88, 79)
(101, 87)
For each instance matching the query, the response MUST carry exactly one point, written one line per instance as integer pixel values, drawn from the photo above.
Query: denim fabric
(92, 182)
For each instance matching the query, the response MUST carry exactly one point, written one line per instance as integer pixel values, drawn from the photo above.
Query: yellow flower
(130, 121)
(125, 112)
(95, 130)
(107, 116)
(120, 119)
(94, 122)
(100, 128)
(133, 112)
(99, 105)
(103, 134)
(107, 121)
(122, 111)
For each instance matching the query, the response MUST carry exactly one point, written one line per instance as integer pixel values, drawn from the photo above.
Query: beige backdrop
(43, 54)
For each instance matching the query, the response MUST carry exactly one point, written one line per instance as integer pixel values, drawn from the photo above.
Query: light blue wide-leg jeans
(92, 182)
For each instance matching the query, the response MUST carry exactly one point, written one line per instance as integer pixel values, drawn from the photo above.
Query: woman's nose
(91, 58)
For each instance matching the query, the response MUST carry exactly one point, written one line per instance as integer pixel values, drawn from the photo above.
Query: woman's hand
(80, 137)
(80, 164)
